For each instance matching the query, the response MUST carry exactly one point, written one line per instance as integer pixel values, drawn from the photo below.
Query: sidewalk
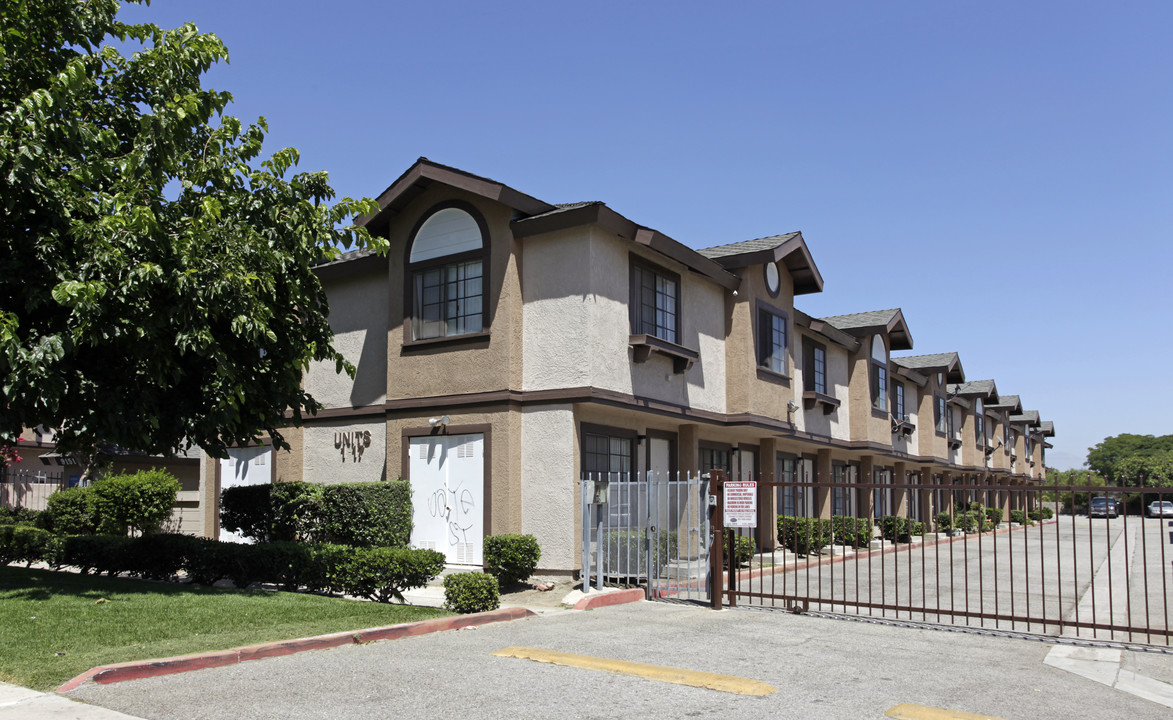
(20, 703)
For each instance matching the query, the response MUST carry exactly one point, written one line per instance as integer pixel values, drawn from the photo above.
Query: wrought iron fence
(28, 489)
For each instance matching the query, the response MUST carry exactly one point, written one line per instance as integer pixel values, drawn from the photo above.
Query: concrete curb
(619, 597)
(137, 669)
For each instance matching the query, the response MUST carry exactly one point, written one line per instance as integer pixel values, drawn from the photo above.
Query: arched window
(879, 366)
(446, 269)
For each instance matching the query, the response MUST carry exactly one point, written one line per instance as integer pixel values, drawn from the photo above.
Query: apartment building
(506, 345)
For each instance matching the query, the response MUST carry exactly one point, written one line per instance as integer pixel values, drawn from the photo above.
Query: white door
(244, 466)
(447, 495)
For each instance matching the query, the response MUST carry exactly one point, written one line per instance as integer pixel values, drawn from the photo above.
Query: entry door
(244, 466)
(447, 493)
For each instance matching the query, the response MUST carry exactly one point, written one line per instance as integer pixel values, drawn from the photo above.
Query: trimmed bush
(994, 515)
(93, 553)
(625, 552)
(471, 592)
(802, 535)
(852, 531)
(1047, 512)
(944, 522)
(69, 512)
(900, 529)
(1017, 517)
(367, 514)
(14, 516)
(511, 558)
(383, 573)
(247, 511)
(208, 561)
(139, 502)
(23, 543)
(744, 550)
(296, 511)
(157, 557)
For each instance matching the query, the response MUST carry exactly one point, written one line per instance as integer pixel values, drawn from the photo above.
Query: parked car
(1160, 508)
(1103, 507)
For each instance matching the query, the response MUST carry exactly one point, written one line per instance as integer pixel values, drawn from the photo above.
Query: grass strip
(54, 626)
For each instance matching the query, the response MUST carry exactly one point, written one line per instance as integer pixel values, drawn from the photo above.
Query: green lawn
(54, 626)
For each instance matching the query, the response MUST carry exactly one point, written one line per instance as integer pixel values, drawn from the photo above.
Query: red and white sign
(741, 504)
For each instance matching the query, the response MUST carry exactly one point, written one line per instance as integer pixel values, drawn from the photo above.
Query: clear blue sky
(1002, 171)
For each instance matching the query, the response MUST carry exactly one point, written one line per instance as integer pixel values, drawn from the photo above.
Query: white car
(1160, 508)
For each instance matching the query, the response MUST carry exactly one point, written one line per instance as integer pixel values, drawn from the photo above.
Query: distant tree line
(1133, 460)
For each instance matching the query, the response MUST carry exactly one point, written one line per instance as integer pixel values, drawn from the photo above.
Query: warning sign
(741, 504)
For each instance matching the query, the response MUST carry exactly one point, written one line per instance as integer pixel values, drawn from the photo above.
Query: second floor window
(939, 415)
(655, 302)
(772, 341)
(446, 269)
(898, 401)
(814, 367)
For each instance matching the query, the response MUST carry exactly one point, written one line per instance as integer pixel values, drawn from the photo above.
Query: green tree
(1106, 456)
(156, 288)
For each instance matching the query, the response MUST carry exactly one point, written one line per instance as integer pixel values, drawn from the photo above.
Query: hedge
(471, 592)
(68, 512)
(140, 502)
(14, 516)
(802, 535)
(852, 531)
(744, 550)
(383, 573)
(900, 529)
(358, 514)
(23, 543)
(511, 558)
(994, 515)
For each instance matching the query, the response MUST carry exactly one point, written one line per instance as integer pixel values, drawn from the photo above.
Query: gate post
(717, 533)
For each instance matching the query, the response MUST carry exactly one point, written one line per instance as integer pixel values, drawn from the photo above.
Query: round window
(772, 278)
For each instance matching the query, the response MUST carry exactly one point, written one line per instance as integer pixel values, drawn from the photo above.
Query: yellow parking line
(908, 711)
(678, 676)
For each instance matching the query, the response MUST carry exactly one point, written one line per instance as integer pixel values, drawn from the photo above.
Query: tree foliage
(155, 276)
(1134, 460)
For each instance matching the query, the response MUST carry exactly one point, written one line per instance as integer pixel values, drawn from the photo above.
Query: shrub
(296, 511)
(471, 592)
(157, 557)
(247, 510)
(852, 531)
(744, 550)
(383, 573)
(994, 515)
(139, 502)
(900, 529)
(69, 512)
(944, 522)
(13, 516)
(208, 561)
(803, 536)
(1017, 517)
(1047, 512)
(23, 543)
(367, 514)
(511, 558)
(93, 553)
(626, 552)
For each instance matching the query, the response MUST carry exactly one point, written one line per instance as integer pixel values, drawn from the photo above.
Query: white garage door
(244, 466)
(447, 495)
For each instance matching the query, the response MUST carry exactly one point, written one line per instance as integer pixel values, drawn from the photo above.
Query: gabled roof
(1030, 417)
(1047, 428)
(948, 363)
(537, 216)
(974, 388)
(830, 332)
(1008, 402)
(790, 249)
(890, 322)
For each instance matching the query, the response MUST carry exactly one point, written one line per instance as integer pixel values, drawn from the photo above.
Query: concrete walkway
(20, 703)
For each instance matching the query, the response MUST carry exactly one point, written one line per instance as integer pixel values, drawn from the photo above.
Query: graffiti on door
(455, 507)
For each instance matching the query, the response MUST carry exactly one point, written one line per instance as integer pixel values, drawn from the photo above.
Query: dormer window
(879, 375)
(446, 274)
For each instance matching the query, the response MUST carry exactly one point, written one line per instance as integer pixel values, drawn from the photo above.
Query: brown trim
(793, 252)
(632, 436)
(441, 342)
(766, 278)
(761, 307)
(345, 267)
(361, 411)
(484, 429)
(643, 346)
(811, 399)
(409, 268)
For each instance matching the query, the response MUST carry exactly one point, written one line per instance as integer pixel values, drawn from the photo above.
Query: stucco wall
(749, 390)
(837, 424)
(358, 317)
(331, 451)
(549, 483)
(577, 327)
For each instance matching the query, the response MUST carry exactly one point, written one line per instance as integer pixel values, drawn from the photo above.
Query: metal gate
(648, 529)
(1085, 563)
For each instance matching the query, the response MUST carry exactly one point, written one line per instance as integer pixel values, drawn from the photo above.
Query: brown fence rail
(28, 489)
(1082, 562)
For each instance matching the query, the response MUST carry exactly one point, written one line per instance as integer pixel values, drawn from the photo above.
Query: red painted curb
(137, 669)
(619, 597)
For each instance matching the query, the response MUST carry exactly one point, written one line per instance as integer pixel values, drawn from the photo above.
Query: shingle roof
(1007, 401)
(1047, 428)
(1030, 417)
(747, 246)
(566, 207)
(926, 362)
(872, 318)
(972, 387)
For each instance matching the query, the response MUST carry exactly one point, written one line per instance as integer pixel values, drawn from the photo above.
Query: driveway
(822, 668)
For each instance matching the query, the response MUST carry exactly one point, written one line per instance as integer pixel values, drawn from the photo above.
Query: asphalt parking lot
(821, 668)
